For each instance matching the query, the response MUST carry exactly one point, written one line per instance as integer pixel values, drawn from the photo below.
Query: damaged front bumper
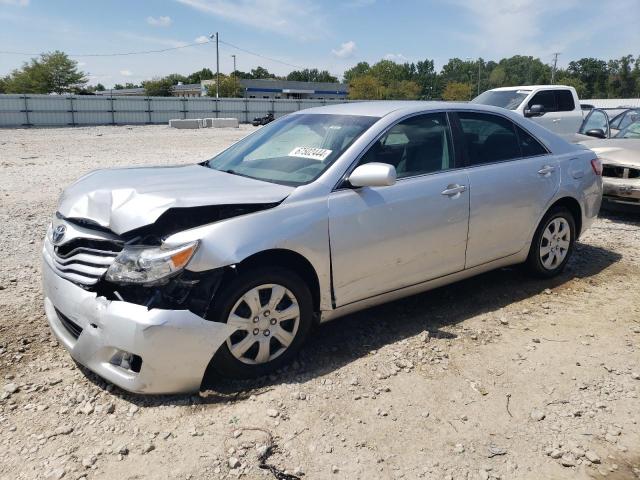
(621, 190)
(171, 348)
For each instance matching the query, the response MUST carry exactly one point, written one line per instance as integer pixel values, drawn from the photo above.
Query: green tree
(366, 87)
(593, 73)
(359, 70)
(197, 77)
(313, 75)
(176, 78)
(403, 90)
(52, 72)
(100, 88)
(158, 87)
(457, 91)
(261, 73)
(229, 87)
(3, 84)
(576, 83)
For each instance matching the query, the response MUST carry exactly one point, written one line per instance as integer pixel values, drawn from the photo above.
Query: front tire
(552, 243)
(273, 310)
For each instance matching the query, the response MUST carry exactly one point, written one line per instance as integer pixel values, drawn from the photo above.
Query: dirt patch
(499, 376)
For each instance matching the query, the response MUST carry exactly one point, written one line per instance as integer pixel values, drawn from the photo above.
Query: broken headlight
(149, 265)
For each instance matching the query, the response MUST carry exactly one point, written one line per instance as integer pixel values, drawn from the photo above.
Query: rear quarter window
(565, 100)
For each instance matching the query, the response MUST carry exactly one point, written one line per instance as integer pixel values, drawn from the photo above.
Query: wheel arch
(287, 259)
(574, 207)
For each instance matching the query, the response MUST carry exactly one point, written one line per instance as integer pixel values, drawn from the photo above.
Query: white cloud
(15, 3)
(507, 27)
(302, 19)
(346, 49)
(126, 73)
(202, 39)
(396, 57)
(159, 21)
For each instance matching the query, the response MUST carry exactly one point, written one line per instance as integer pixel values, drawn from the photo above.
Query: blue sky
(327, 34)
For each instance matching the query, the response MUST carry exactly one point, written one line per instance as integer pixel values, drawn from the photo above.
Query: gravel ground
(499, 376)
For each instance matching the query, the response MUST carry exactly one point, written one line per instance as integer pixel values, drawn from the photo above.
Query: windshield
(509, 99)
(293, 150)
(631, 131)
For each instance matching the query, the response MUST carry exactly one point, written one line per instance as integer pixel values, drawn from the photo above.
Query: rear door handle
(556, 120)
(454, 190)
(546, 170)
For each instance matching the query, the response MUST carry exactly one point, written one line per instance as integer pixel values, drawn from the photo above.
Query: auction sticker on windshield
(310, 152)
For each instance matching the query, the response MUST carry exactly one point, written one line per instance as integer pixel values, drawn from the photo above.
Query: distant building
(272, 88)
(250, 88)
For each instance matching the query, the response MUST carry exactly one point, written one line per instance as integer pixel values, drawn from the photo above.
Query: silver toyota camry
(157, 278)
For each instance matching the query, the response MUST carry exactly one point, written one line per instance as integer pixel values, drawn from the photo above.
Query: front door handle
(546, 170)
(454, 190)
(556, 120)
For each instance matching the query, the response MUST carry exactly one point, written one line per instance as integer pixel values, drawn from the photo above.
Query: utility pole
(555, 63)
(234, 75)
(217, 64)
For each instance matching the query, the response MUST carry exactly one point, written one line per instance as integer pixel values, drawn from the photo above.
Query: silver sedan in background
(156, 278)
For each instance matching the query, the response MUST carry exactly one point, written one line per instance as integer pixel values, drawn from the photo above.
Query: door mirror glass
(373, 175)
(596, 132)
(535, 111)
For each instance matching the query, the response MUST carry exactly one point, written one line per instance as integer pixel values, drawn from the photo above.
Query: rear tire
(271, 330)
(552, 243)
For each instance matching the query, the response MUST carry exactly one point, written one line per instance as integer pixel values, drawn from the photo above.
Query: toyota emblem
(58, 233)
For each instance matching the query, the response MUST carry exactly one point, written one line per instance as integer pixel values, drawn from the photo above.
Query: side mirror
(373, 174)
(534, 111)
(596, 132)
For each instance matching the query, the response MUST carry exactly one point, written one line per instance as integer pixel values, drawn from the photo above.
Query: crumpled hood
(616, 150)
(124, 199)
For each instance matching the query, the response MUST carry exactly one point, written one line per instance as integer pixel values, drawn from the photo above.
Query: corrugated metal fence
(613, 102)
(67, 110)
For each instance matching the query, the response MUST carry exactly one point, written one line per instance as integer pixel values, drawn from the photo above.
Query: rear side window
(488, 138)
(529, 145)
(565, 100)
(546, 98)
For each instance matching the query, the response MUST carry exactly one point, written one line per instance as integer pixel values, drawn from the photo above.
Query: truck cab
(555, 107)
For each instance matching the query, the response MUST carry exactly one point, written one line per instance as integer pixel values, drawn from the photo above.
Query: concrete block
(186, 123)
(222, 122)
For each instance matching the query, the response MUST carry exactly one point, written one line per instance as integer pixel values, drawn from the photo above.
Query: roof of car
(527, 87)
(380, 108)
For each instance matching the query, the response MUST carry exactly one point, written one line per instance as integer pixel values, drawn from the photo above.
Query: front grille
(620, 171)
(83, 259)
(70, 326)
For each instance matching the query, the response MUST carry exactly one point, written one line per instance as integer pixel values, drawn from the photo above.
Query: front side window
(628, 118)
(546, 98)
(488, 138)
(293, 150)
(597, 119)
(415, 146)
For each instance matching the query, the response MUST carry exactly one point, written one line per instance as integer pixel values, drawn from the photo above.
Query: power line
(260, 55)
(162, 50)
(119, 54)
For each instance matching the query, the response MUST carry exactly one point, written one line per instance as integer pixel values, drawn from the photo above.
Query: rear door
(512, 178)
(387, 238)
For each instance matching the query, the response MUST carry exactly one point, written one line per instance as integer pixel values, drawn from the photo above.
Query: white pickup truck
(555, 107)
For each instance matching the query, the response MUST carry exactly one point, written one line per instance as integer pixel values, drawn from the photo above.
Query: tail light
(596, 164)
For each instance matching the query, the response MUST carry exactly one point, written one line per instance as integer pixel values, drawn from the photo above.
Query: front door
(386, 238)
